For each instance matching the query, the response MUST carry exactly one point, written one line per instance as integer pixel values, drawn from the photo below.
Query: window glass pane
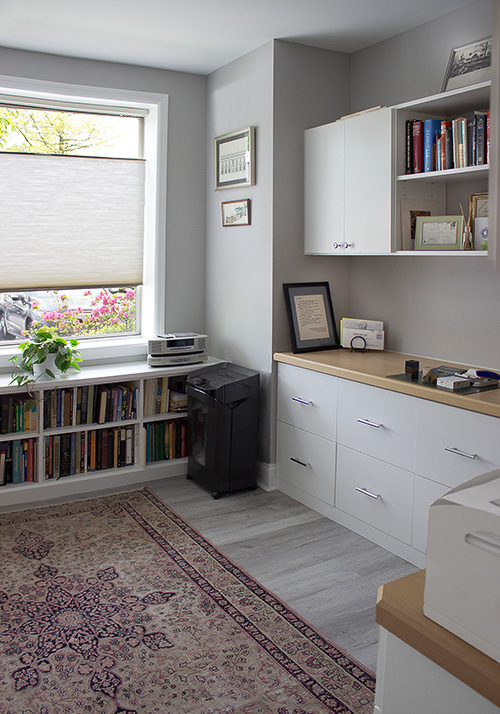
(46, 131)
(82, 313)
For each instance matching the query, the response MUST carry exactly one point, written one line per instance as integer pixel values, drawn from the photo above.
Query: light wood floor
(325, 572)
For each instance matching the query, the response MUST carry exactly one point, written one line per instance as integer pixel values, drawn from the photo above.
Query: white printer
(462, 582)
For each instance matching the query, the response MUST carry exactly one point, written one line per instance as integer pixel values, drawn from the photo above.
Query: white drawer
(377, 422)
(307, 399)
(453, 445)
(306, 461)
(385, 500)
(426, 492)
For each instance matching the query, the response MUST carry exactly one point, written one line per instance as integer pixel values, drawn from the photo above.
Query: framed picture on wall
(235, 159)
(310, 316)
(236, 213)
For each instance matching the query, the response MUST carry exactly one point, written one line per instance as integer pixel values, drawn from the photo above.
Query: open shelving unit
(105, 426)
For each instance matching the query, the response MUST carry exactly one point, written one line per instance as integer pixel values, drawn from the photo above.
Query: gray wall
(440, 307)
(239, 259)
(282, 88)
(185, 248)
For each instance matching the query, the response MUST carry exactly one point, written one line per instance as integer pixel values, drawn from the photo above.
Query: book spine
(409, 149)
(418, 146)
(432, 129)
(480, 138)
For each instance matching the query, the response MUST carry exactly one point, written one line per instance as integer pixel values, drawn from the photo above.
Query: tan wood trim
(399, 610)
(373, 368)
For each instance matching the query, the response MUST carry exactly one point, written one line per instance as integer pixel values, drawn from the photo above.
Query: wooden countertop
(399, 610)
(373, 367)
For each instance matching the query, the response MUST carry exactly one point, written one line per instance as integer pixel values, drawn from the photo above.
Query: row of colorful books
(89, 404)
(164, 394)
(166, 440)
(17, 413)
(94, 450)
(440, 144)
(18, 461)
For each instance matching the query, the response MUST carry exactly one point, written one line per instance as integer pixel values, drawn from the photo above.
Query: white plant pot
(49, 363)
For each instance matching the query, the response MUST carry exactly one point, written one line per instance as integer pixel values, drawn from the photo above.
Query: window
(81, 226)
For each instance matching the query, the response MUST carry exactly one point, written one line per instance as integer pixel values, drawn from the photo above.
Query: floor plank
(325, 572)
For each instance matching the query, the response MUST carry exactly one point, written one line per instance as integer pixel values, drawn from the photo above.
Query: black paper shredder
(223, 415)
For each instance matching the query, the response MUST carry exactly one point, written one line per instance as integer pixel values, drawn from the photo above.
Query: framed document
(439, 233)
(235, 159)
(310, 315)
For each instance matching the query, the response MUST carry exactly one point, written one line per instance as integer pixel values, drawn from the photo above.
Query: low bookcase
(106, 426)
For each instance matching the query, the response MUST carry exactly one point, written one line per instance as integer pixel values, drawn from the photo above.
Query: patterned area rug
(116, 605)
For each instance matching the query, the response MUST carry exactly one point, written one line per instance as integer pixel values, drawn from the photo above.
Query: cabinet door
(306, 461)
(308, 399)
(368, 182)
(324, 189)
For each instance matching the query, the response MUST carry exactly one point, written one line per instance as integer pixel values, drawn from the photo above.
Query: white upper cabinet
(348, 185)
(359, 197)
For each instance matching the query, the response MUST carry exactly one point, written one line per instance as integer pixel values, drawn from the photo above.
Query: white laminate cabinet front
(308, 400)
(426, 492)
(377, 422)
(306, 461)
(375, 492)
(453, 445)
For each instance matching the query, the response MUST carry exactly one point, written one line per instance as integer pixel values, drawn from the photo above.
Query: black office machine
(223, 413)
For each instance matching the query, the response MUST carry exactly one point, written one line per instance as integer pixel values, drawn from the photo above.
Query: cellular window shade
(70, 221)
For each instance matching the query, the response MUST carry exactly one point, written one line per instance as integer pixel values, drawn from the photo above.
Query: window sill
(101, 351)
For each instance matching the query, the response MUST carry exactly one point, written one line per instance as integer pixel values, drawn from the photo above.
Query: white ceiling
(202, 35)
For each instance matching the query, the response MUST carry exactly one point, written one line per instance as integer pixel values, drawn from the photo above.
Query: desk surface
(399, 610)
(373, 367)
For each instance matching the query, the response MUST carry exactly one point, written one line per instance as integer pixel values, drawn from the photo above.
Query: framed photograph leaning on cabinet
(410, 209)
(468, 64)
(439, 233)
(310, 315)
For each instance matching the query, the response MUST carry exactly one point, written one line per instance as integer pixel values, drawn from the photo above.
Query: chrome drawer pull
(367, 493)
(301, 401)
(453, 450)
(300, 463)
(369, 423)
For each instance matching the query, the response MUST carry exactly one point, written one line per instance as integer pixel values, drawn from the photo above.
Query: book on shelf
(74, 453)
(432, 130)
(436, 144)
(418, 146)
(165, 440)
(15, 416)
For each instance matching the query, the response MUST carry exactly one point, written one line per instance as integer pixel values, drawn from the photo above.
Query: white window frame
(155, 152)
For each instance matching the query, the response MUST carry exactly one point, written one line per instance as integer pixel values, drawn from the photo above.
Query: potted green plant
(44, 353)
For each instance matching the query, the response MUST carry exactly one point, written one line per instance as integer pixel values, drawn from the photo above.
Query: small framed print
(236, 213)
(478, 205)
(235, 159)
(310, 316)
(439, 233)
(468, 64)
(411, 208)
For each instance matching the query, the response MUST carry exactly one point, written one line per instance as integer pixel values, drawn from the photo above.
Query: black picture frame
(310, 315)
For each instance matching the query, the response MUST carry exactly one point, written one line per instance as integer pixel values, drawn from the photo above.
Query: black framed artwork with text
(311, 317)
